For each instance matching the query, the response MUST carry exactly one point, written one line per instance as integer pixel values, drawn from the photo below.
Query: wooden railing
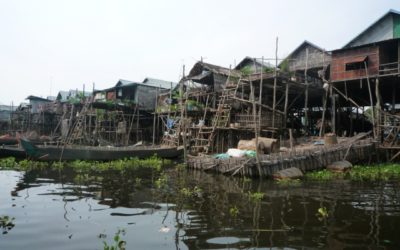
(389, 68)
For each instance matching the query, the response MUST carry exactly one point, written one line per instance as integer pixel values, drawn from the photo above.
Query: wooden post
(370, 99)
(255, 128)
(154, 117)
(291, 138)
(261, 91)
(325, 100)
(286, 104)
(378, 107)
(306, 94)
(275, 82)
(333, 115)
(183, 122)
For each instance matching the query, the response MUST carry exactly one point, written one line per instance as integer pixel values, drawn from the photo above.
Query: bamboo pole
(154, 117)
(325, 100)
(275, 82)
(333, 115)
(255, 129)
(261, 91)
(286, 104)
(370, 99)
(183, 122)
(306, 94)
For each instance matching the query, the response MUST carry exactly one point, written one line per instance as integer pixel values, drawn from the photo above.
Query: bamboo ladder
(76, 131)
(223, 112)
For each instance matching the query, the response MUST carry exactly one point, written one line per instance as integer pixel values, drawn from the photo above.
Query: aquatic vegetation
(180, 167)
(378, 172)
(289, 182)
(162, 181)
(118, 243)
(188, 192)
(138, 182)
(246, 179)
(322, 213)
(234, 211)
(256, 196)
(360, 173)
(10, 163)
(322, 175)
(6, 223)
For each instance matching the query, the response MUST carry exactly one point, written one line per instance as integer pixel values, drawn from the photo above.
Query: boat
(8, 140)
(96, 153)
(12, 151)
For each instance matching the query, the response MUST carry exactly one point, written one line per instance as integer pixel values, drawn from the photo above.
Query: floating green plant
(256, 196)
(162, 181)
(322, 213)
(118, 243)
(188, 192)
(234, 211)
(138, 182)
(6, 223)
(360, 173)
(289, 182)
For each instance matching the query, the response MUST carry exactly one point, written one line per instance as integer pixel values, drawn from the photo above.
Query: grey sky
(70, 43)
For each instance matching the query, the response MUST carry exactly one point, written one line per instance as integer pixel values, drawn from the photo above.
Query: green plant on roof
(246, 71)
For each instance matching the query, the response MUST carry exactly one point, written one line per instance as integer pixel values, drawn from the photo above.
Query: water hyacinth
(379, 172)
(154, 162)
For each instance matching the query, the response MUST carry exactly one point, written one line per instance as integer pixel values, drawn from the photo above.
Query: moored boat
(98, 153)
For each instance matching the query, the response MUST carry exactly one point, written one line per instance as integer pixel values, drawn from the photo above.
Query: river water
(179, 209)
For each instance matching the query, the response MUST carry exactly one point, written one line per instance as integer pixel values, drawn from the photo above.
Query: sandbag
(339, 166)
(289, 173)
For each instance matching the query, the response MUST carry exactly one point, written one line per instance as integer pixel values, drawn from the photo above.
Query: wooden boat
(97, 153)
(8, 140)
(12, 151)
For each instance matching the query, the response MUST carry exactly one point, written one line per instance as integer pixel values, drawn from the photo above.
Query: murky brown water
(67, 210)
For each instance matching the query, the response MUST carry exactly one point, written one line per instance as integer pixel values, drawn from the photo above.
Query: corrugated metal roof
(158, 83)
(390, 12)
(124, 83)
(259, 61)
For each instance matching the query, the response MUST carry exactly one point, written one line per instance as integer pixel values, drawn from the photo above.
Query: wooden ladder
(76, 132)
(223, 112)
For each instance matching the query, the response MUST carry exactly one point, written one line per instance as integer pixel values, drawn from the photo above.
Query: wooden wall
(341, 57)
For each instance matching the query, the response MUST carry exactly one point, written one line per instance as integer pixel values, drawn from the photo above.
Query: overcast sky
(47, 46)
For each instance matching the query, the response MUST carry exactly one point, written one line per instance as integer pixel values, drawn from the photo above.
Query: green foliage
(162, 181)
(284, 66)
(256, 196)
(8, 163)
(180, 167)
(289, 182)
(322, 175)
(11, 164)
(138, 182)
(246, 179)
(360, 173)
(118, 243)
(246, 71)
(322, 213)
(234, 211)
(6, 223)
(188, 192)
